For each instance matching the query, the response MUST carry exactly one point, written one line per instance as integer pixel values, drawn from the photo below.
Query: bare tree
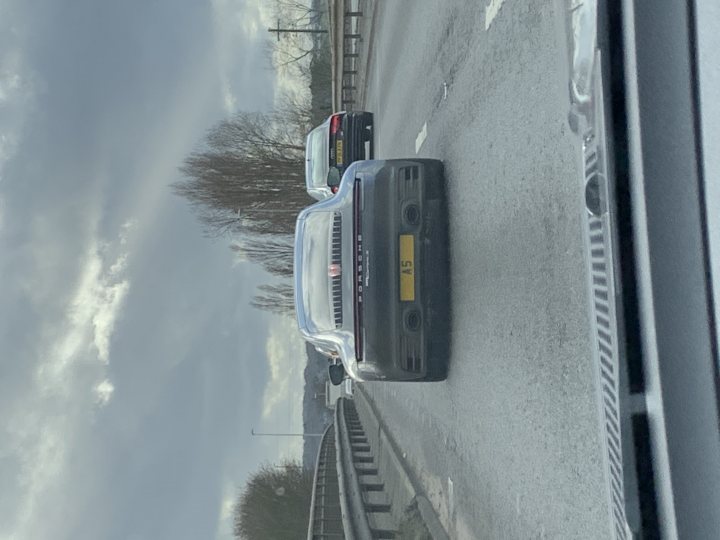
(291, 51)
(275, 254)
(276, 298)
(297, 110)
(298, 12)
(249, 178)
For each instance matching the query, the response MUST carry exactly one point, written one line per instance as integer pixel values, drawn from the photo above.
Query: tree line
(246, 181)
(275, 503)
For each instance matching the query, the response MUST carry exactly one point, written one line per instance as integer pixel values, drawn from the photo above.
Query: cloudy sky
(131, 366)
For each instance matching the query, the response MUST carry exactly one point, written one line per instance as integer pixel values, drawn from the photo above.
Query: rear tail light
(335, 121)
(334, 189)
(358, 273)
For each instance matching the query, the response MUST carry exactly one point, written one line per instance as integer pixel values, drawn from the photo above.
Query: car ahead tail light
(334, 189)
(335, 122)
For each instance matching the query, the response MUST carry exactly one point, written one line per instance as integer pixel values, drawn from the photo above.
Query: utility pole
(279, 31)
(256, 434)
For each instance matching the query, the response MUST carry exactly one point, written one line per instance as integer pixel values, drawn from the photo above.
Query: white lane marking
(491, 12)
(420, 139)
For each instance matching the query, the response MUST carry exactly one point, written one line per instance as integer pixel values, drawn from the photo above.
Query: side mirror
(336, 372)
(333, 177)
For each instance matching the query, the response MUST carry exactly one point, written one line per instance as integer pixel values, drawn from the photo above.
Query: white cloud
(119, 265)
(286, 360)
(246, 16)
(282, 399)
(41, 445)
(226, 512)
(103, 392)
(8, 147)
(229, 99)
(49, 421)
(236, 23)
(70, 383)
(92, 312)
(126, 229)
(104, 319)
(17, 93)
(10, 84)
(227, 506)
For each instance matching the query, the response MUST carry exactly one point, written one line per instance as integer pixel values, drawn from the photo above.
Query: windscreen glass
(317, 156)
(315, 278)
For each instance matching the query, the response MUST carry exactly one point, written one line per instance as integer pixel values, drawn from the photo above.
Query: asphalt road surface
(509, 446)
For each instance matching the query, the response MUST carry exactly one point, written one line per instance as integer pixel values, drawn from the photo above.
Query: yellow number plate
(338, 152)
(407, 268)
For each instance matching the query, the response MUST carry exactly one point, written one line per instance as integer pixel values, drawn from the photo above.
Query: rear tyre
(437, 366)
(437, 377)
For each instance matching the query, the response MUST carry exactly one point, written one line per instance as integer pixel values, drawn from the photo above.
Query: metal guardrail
(350, 56)
(347, 497)
(325, 515)
(356, 463)
(355, 520)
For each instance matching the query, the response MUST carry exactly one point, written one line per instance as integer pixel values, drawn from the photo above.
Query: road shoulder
(400, 481)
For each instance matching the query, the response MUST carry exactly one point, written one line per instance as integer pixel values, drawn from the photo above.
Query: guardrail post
(377, 507)
(383, 533)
